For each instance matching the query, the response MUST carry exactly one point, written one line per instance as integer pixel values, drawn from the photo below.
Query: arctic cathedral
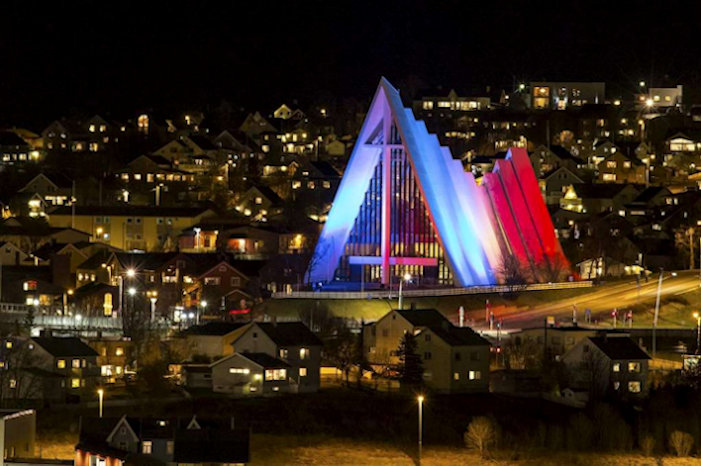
(405, 205)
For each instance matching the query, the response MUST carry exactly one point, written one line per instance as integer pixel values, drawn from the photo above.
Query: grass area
(372, 309)
(293, 450)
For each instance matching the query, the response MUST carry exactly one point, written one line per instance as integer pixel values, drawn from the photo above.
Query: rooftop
(289, 333)
(423, 317)
(265, 360)
(214, 328)
(64, 346)
(619, 347)
(459, 336)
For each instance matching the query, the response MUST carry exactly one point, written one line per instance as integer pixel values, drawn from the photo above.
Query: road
(602, 300)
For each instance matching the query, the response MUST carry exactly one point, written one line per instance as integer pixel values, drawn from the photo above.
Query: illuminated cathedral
(406, 206)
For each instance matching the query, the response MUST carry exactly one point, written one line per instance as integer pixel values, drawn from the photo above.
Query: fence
(381, 294)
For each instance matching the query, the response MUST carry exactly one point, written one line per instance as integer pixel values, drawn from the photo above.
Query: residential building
(610, 363)
(455, 359)
(17, 433)
(252, 374)
(620, 168)
(15, 150)
(562, 95)
(381, 338)
(166, 441)
(131, 227)
(52, 369)
(114, 357)
(554, 340)
(291, 342)
(212, 340)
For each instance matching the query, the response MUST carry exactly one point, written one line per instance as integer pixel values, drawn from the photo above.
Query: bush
(480, 435)
(647, 445)
(680, 443)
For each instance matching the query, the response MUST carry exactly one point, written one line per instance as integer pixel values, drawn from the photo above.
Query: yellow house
(131, 227)
(455, 359)
(381, 339)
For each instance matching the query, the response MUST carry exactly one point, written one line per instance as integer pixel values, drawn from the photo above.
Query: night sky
(122, 57)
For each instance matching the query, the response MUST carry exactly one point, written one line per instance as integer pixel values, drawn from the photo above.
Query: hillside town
(431, 265)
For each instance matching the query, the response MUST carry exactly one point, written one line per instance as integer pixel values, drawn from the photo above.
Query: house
(555, 183)
(54, 189)
(255, 124)
(114, 357)
(15, 150)
(291, 342)
(212, 340)
(610, 363)
(620, 168)
(455, 359)
(126, 440)
(218, 283)
(553, 340)
(52, 369)
(17, 433)
(11, 254)
(152, 180)
(546, 160)
(259, 203)
(381, 338)
(253, 374)
(595, 198)
(131, 227)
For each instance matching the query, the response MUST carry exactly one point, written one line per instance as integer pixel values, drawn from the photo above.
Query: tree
(410, 368)
(522, 354)
(480, 435)
(680, 443)
(648, 445)
(511, 271)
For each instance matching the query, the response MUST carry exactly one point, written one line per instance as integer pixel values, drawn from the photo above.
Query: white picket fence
(414, 293)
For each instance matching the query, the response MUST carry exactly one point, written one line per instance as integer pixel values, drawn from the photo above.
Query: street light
(100, 395)
(131, 273)
(697, 316)
(421, 427)
(406, 278)
(649, 103)
(153, 297)
(131, 291)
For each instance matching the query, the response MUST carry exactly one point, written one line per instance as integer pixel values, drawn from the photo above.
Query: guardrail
(434, 292)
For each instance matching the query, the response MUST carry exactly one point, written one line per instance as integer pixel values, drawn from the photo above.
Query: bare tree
(681, 442)
(480, 435)
(554, 269)
(511, 272)
(522, 355)
(595, 369)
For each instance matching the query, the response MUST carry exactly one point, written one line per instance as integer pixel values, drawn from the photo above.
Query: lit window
(239, 370)
(13, 383)
(259, 200)
(75, 383)
(170, 447)
(302, 371)
(616, 385)
(275, 374)
(474, 375)
(634, 387)
(617, 367)
(76, 364)
(633, 367)
(119, 351)
(303, 353)
(146, 447)
(8, 344)
(283, 353)
(456, 376)
(61, 364)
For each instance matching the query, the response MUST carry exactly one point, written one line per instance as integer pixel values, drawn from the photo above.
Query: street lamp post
(204, 309)
(657, 312)
(100, 396)
(421, 427)
(406, 278)
(697, 316)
